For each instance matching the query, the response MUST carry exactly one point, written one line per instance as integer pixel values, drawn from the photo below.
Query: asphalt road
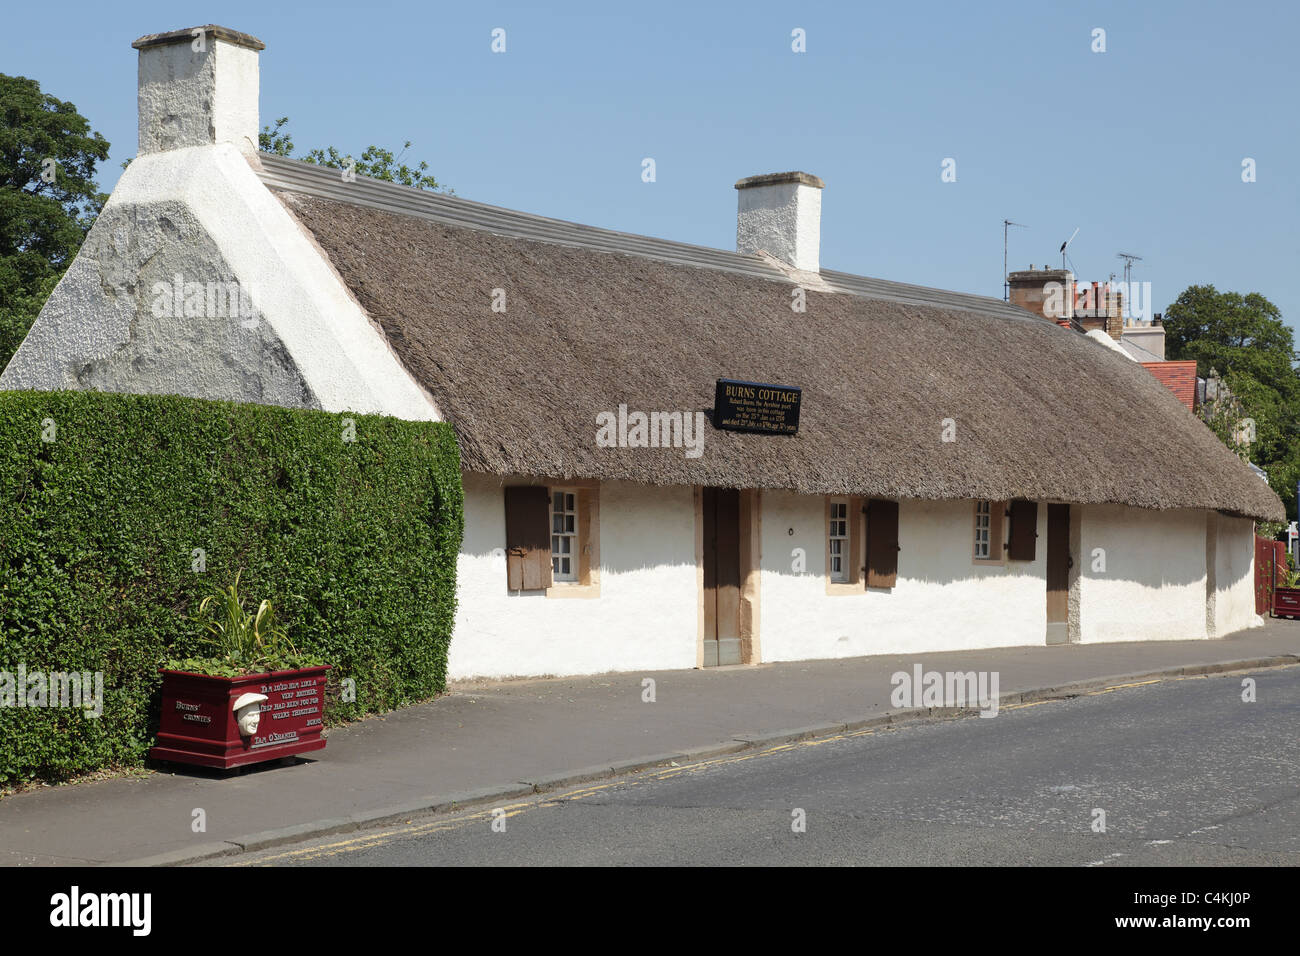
(1185, 771)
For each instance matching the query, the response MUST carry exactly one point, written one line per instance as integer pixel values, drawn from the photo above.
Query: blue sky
(1139, 148)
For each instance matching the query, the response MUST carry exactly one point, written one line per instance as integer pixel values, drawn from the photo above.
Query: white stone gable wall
(202, 214)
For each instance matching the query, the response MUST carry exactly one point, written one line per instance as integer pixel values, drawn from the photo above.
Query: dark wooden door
(1058, 574)
(721, 576)
(882, 543)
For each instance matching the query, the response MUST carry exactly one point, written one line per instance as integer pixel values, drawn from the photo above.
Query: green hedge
(354, 536)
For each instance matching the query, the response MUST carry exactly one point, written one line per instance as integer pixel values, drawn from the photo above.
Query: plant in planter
(242, 642)
(253, 698)
(1286, 597)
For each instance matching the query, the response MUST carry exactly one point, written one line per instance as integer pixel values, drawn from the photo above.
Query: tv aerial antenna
(1066, 243)
(1129, 258)
(1006, 284)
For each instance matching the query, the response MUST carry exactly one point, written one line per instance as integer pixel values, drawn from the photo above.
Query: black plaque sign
(754, 407)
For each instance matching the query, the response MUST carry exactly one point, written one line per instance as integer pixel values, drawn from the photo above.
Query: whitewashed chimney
(781, 214)
(198, 87)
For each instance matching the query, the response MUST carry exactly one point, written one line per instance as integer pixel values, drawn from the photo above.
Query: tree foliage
(1239, 334)
(48, 198)
(1243, 339)
(276, 139)
(375, 162)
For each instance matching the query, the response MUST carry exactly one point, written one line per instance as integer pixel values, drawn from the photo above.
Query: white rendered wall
(783, 219)
(202, 213)
(189, 97)
(644, 619)
(942, 600)
(1234, 575)
(1153, 587)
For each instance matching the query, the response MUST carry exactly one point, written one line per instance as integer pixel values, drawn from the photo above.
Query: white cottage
(964, 475)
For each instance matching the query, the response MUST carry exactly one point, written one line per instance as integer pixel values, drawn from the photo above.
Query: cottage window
(564, 535)
(982, 519)
(553, 539)
(988, 531)
(838, 534)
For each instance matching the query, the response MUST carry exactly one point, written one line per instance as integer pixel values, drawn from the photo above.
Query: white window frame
(838, 533)
(567, 530)
(983, 530)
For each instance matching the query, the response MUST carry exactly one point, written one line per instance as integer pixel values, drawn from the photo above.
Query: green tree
(376, 162)
(272, 140)
(1234, 333)
(48, 198)
(1244, 340)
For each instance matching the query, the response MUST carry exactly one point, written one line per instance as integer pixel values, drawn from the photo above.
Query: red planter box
(198, 723)
(1286, 602)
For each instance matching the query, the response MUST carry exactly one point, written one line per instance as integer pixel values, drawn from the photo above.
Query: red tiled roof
(1178, 377)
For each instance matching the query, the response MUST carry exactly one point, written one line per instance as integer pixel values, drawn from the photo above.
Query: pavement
(487, 742)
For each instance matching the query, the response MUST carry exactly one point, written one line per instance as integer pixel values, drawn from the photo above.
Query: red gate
(1270, 567)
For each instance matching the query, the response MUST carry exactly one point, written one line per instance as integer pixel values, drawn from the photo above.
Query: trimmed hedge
(355, 541)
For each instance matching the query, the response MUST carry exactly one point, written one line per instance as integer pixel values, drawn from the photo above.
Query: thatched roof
(1040, 411)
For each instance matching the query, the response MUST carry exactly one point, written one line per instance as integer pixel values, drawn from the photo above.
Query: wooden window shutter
(856, 526)
(997, 537)
(1024, 530)
(528, 538)
(882, 543)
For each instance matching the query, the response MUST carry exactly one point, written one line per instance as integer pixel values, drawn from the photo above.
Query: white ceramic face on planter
(248, 712)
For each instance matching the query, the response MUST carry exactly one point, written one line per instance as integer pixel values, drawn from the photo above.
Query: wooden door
(1058, 574)
(882, 543)
(721, 515)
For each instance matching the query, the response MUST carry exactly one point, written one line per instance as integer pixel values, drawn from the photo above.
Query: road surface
(1184, 770)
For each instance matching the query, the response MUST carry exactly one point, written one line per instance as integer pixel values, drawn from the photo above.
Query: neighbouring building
(963, 476)
(1055, 295)
(1097, 311)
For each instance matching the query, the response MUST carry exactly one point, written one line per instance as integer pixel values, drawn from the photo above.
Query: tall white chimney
(781, 214)
(198, 87)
